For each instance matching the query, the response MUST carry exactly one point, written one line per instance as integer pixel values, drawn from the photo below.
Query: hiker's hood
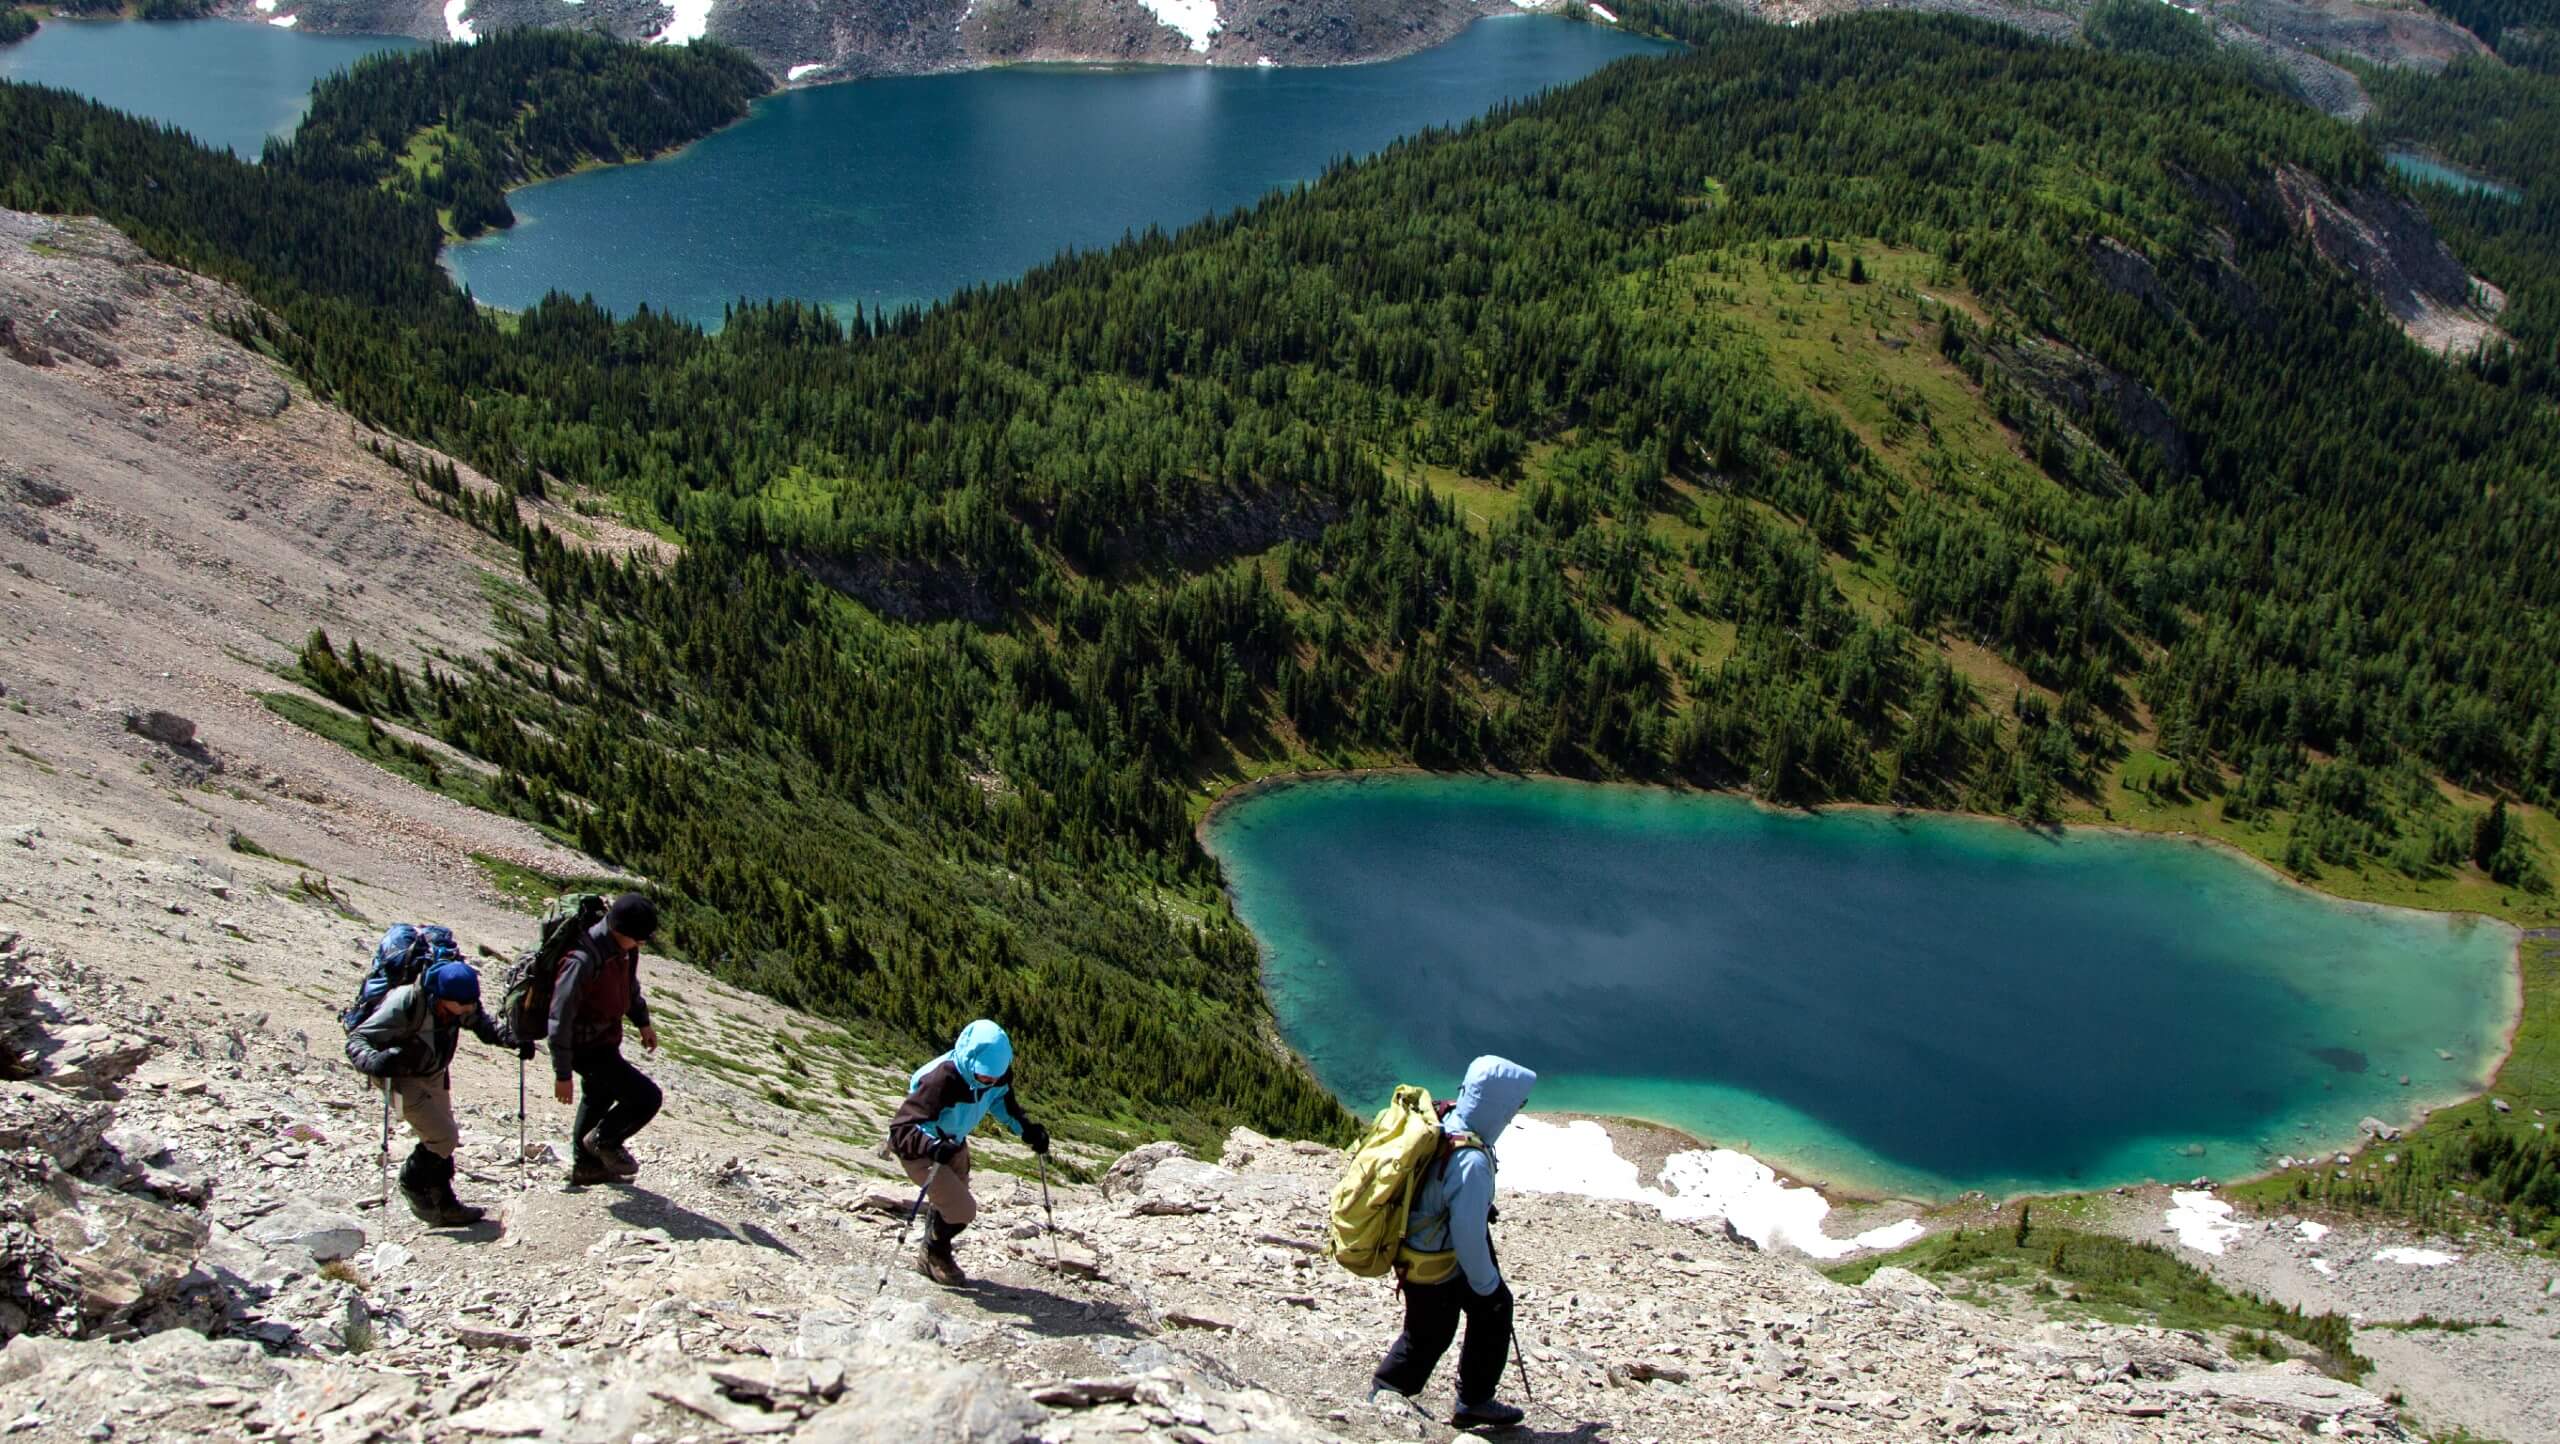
(1491, 1097)
(983, 1051)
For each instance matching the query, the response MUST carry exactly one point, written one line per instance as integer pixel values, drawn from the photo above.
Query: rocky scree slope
(191, 1238)
(844, 39)
(2304, 39)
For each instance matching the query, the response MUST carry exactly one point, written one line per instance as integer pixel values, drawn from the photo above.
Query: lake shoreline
(1089, 167)
(1850, 1194)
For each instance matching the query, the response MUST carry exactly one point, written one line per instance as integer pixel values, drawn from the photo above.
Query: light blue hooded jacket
(952, 1105)
(1454, 1205)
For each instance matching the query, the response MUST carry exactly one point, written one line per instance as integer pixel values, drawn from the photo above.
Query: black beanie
(633, 916)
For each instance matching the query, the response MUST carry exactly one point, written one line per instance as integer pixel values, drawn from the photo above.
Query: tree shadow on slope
(1587, 1432)
(1055, 1316)
(641, 1208)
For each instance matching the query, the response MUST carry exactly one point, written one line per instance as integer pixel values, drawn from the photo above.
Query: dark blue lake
(227, 83)
(1910, 1005)
(903, 190)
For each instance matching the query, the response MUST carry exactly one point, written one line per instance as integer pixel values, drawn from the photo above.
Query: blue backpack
(404, 953)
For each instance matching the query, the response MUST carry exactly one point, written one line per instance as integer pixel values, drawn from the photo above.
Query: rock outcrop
(77, 1256)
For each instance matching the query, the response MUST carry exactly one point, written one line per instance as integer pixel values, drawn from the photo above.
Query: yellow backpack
(1374, 1198)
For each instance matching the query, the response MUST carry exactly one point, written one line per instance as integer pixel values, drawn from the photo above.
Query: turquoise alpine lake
(898, 191)
(1890, 1004)
(2427, 168)
(227, 84)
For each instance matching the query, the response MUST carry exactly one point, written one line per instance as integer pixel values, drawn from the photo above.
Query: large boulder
(325, 1234)
(81, 1057)
(90, 1258)
(910, 1396)
(61, 1129)
(1136, 1164)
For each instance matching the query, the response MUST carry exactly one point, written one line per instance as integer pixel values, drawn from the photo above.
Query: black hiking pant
(615, 1100)
(1431, 1313)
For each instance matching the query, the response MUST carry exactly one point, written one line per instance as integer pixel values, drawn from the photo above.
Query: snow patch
(2312, 1232)
(2201, 1221)
(1265, 62)
(692, 21)
(1603, 12)
(266, 7)
(455, 27)
(799, 73)
(1196, 19)
(1702, 1184)
(2417, 1258)
(2323, 1268)
(285, 22)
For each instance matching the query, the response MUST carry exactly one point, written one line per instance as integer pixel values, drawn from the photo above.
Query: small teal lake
(226, 83)
(897, 191)
(1912, 1005)
(2435, 172)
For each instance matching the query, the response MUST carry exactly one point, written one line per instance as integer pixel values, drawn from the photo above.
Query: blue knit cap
(453, 983)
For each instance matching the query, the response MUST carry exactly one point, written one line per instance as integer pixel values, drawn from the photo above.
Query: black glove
(527, 1050)
(946, 1149)
(369, 1060)
(1037, 1137)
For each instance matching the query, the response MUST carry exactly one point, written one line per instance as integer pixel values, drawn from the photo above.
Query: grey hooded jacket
(403, 1037)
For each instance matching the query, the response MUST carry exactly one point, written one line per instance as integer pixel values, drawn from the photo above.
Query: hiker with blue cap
(1447, 1267)
(946, 1101)
(407, 1043)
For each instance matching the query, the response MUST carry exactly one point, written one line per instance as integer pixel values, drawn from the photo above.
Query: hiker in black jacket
(407, 1042)
(597, 991)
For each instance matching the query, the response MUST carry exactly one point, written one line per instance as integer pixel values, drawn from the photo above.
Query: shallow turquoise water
(226, 83)
(887, 192)
(2427, 168)
(1914, 1005)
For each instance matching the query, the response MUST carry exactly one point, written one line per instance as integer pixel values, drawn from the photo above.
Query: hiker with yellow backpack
(1418, 1199)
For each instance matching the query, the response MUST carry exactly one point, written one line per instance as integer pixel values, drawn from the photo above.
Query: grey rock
(325, 1234)
(64, 1129)
(83, 1057)
(912, 1397)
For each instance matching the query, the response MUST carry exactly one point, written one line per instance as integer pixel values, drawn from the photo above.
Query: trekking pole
(1056, 1258)
(901, 1245)
(523, 1165)
(1521, 1359)
(386, 1148)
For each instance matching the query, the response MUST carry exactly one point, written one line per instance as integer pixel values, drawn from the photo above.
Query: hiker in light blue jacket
(946, 1101)
(1449, 1240)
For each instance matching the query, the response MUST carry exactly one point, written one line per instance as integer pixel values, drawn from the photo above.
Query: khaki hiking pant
(949, 1193)
(426, 1105)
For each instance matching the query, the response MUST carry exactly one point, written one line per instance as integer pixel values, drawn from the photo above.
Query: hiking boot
(439, 1209)
(613, 1156)
(1491, 1414)
(587, 1171)
(426, 1185)
(939, 1265)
